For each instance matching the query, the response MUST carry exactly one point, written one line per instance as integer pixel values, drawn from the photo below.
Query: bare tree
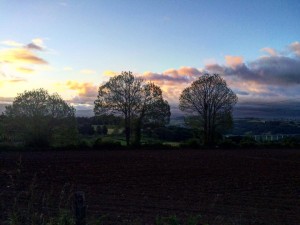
(209, 101)
(128, 96)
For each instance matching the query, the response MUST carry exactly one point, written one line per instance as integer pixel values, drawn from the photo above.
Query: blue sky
(71, 47)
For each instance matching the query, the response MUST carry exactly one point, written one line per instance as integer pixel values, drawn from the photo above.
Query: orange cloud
(25, 70)
(173, 81)
(83, 89)
(11, 81)
(234, 61)
(110, 73)
(20, 55)
(270, 51)
(21, 58)
(179, 76)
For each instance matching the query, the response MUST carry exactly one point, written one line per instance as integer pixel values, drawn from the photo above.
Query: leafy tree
(40, 119)
(209, 102)
(153, 110)
(138, 103)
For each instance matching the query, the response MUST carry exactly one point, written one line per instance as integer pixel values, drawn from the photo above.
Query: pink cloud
(295, 47)
(234, 61)
(270, 51)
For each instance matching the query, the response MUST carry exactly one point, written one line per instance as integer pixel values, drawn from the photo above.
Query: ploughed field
(223, 186)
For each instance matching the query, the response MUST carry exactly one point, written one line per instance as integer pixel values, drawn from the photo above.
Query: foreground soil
(223, 186)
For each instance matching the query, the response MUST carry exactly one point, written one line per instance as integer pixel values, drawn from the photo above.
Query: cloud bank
(274, 76)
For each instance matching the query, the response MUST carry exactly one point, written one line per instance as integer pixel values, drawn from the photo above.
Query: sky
(72, 46)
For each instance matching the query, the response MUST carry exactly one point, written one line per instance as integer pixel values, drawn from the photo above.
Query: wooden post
(80, 208)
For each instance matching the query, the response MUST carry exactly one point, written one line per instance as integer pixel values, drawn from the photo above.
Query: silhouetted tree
(128, 96)
(38, 118)
(153, 110)
(209, 102)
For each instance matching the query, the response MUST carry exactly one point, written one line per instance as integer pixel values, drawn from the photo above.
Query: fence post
(80, 208)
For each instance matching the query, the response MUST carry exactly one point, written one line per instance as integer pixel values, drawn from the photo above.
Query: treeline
(253, 126)
(128, 111)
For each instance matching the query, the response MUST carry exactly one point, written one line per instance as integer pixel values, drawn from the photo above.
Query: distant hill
(286, 110)
(280, 110)
(84, 113)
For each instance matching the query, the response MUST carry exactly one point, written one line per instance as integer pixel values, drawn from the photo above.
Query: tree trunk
(138, 132)
(127, 131)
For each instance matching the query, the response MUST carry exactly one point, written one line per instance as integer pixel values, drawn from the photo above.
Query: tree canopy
(209, 103)
(139, 103)
(38, 118)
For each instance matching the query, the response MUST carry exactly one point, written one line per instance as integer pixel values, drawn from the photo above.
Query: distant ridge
(84, 113)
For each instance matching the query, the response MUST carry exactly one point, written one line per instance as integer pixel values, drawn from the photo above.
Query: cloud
(12, 43)
(295, 48)
(25, 70)
(13, 80)
(34, 47)
(234, 61)
(87, 71)
(20, 58)
(173, 76)
(17, 80)
(20, 55)
(270, 51)
(272, 76)
(110, 73)
(275, 75)
(86, 92)
(86, 89)
(36, 44)
(270, 70)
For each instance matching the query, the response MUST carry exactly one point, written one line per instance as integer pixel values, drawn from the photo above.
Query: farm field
(223, 186)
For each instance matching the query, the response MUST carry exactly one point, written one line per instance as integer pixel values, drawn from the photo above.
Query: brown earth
(224, 186)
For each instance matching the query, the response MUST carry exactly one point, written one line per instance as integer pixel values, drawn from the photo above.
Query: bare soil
(224, 186)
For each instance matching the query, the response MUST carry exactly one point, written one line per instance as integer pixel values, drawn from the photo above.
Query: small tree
(128, 96)
(40, 119)
(209, 102)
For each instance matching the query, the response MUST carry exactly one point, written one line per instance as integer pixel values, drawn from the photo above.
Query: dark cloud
(33, 46)
(269, 70)
(162, 77)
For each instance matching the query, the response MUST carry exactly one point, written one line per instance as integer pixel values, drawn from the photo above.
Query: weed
(29, 206)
